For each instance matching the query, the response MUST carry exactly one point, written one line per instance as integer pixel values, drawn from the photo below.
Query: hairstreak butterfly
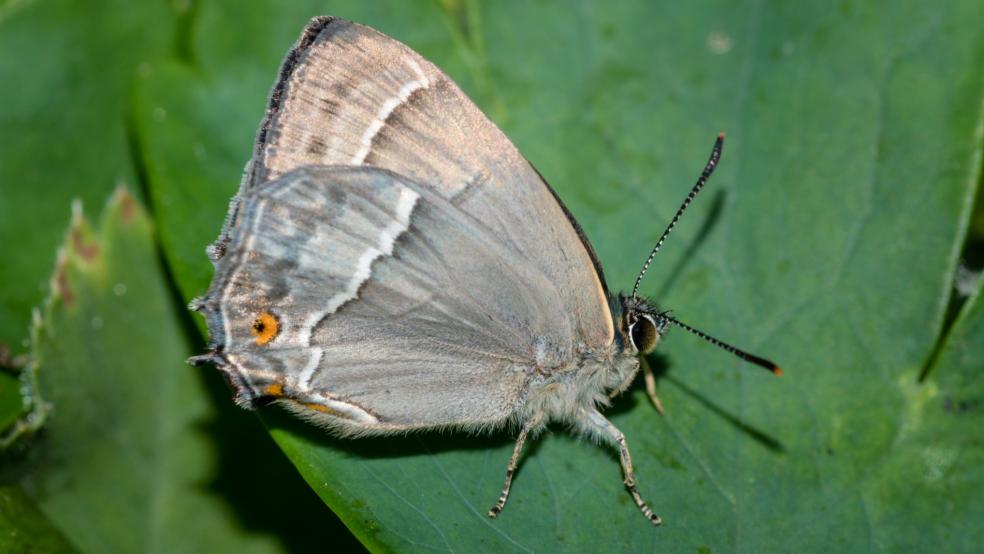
(393, 263)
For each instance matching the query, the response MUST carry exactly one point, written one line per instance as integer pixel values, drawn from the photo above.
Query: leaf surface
(67, 69)
(24, 529)
(827, 240)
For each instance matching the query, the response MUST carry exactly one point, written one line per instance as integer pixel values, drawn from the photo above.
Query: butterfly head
(641, 323)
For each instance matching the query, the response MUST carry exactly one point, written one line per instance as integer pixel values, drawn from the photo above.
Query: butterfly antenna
(701, 181)
(761, 362)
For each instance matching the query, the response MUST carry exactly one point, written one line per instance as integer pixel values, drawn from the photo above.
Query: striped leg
(533, 423)
(603, 428)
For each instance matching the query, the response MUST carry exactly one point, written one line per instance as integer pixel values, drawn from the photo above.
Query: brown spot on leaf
(128, 206)
(60, 284)
(86, 250)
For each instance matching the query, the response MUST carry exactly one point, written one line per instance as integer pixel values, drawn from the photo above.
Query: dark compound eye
(643, 334)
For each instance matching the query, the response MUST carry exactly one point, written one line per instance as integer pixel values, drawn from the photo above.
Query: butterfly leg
(530, 425)
(647, 375)
(595, 423)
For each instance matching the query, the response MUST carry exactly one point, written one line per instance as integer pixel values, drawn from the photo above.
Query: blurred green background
(831, 239)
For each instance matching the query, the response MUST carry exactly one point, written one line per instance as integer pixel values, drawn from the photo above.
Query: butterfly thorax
(596, 375)
(560, 395)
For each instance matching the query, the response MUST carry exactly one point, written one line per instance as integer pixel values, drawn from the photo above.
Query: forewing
(350, 95)
(380, 303)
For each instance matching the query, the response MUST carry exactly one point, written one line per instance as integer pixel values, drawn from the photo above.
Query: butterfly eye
(643, 334)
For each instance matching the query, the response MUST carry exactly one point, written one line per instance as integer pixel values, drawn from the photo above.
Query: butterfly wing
(438, 318)
(351, 291)
(350, 95)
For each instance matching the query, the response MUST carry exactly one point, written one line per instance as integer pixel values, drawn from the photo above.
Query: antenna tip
(721, 135)
(763, 363)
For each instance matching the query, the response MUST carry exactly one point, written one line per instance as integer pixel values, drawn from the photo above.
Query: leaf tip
(123, 200)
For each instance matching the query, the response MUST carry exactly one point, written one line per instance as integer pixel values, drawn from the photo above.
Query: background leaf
(939, 453)
(135, 455)
(24, 529)
(829, 241)
(67, 68)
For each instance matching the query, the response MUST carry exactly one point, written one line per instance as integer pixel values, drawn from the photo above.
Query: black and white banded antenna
(747, 356)
(701, 181)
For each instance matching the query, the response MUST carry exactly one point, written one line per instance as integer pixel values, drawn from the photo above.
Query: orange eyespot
(265, 328)
(323, 409)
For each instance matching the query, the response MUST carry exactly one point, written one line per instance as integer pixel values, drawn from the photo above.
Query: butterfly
(392, 263)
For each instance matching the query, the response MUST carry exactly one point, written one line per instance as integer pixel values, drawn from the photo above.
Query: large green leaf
(934, 474)
(66, 69)
(24, 529)
(136, 455)
(828, 240)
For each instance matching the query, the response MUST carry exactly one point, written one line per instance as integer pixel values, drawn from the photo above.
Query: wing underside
(385, 299)
(466, 260)
(349, 95)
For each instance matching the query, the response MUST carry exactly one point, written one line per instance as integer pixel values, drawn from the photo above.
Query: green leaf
(66, 70)
(22, 410)
(939, 452)
(11, 400)
(135, 455)
(24, 529)
(828, 240)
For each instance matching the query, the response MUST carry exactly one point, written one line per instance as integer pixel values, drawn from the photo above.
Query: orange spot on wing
(275, 389)
(265, 328)
(322, 408)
